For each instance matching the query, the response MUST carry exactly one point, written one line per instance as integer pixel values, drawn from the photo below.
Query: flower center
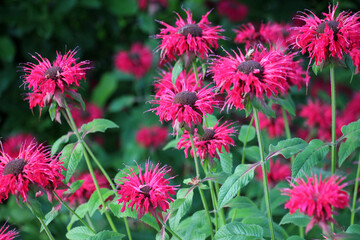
(14, 167)
(192, 29)
(332, 24)
(185, 98)
(53, 73)
(208, 134)
(249, 66)
(145, 190)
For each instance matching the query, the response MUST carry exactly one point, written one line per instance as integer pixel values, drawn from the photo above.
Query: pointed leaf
(247, 133)
(94, 201)
(62, 140)
(262, 106)
(210, 120)
(316, 69)
(296, 218)
(226, 160)
(347, 148)
(244, 207)
(179, 66)
(79, 233)
(52, 110)
(81, 211)
(287, 104)
(184, 207)
(73, 188)
(287, 148)
(49, 217)
(72, 154)
(171, 144)
(107, 235)
(239, 231)
(116, 210)
(122, 102)
(263, 222)
(252, 153)
(97, 125)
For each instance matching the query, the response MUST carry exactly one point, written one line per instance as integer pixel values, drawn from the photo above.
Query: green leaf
(210, 120)
(182, 209)
(94, 201)
(247, 133)
(195, 227)
(351, 130)
(355, 228)
(122, 102)
(105, 88)
(97, 125)
(316, 69)
(7, 49)
(286, 103)
(279, 232)
(151, 221)
(241, 177)
(239, 231)
(79, 233)
(308, 158)
(73, 154)
(350, 65)
(73, 188)
(107, 235)
(49, 217)
(77, 97)
(252, 153)
(121, 8)
(35, 207)
(226, 160)
(178, 67)
(347, 148)
(52, 110)
(171, 144)
(296, 218)
(81, 211)
(116, 210)
(295, 237)
(260, 105)
(244, 207)
(287, 147)
(63, 139)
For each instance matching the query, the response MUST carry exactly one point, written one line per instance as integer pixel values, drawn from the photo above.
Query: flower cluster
(7, 235)
(153, 137)
(233, 10)
(12, 144)
(91, 112)
(278, 172)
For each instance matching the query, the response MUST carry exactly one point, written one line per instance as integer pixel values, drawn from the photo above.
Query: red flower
(188, 37)
(264, 73)
(9, 235)
(33, 166)
(328, 37)
(137, 61)
(87, 188)
(184, 104)
(45, 79)
(148, 191)
(278, 172)
(315, 197)
(233, 10)
(153, 137)
(355, 56)
(212, 139)
(92, 111)
(274, 126)
(152, 5)
(184, 78)
(13, 144)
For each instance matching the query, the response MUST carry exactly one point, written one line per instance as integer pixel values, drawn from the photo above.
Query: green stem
(355, 193)
(266, 185)
(170, 230)
(333, 126)
(301, 232)
(70, 209)
(213, 199)
(88, 219)
(243, 160)
(195, 72)
(47, 230)
(200, 190)
(287, 130)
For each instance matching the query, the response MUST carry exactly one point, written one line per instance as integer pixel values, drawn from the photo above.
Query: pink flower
(143, 4)
(264, 73)
(315, 197)
(153, 137)
(274, 126)
(33, 166)
(278, 172)
(148, 192)
(46, 81)
(184, 104)
(9, 235)
(12, 144)
(87, 188)
(188, 37)
(328, 37)
(233, 10)
(92, 111)
(212, 139)
(137, 61)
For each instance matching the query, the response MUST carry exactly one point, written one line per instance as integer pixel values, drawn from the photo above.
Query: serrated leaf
(355, 228)
(171, 144)
(107, 235)
(347, 148)
(97, 125)
(241, 177)
(49, 217)
(73, 188)
(296, 218)
(95, 201)
(72, 154)
(263, 222)
(262, 106)
(308, 158)
(79, 233)
(62, 140)
(182, 209)
(351, 130)
(287, 104)
(116, 210)
(239, 231)
(244, 207)
(151, 221)
(226, 160)
(287, 147)
(195, 227)
(247, 133)
(178, 67)
(35, 207)
(122, 102)
(81, 211)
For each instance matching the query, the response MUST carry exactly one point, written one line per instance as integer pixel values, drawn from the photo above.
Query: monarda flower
(91, 112)
(87, 188)
(328, 37)
(315, 197)
(34, 166)
(278, 172)
(137, 61)
(12, 144)
(265, 72)
(213, 139)
(233, 10)
(149, 192)
(152, 137)
(7, 235)
(48, 81)
(188, 37)
(184, 104)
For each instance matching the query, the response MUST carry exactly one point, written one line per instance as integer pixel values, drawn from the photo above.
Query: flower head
(213, 139)
(148, 192)
(264, 73)
(233, 10)
(315, 197)
(13, 144)
(9, 235)
(46, 79)
(188, 37)
(34, 166)
(91, 112)
(278, 172)
(137, 61)
(153, 137)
